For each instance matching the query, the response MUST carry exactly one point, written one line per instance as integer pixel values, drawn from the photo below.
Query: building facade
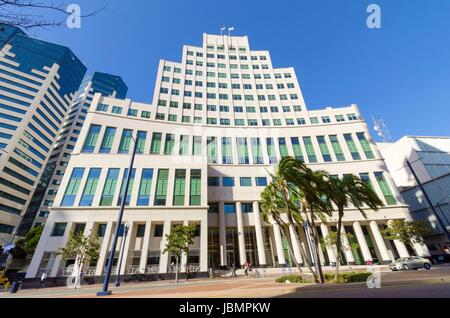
(430, 159)
(103, 83)
(219, 123)
(38, 81)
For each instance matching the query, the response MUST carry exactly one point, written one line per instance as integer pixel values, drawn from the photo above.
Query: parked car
(408, 263)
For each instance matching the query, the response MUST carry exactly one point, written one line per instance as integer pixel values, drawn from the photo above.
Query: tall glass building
(38, 81)
(107, 85)
(220, 121)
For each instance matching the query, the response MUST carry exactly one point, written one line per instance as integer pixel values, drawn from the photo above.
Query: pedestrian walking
(42, 280)
(246, 266)
(233, 270)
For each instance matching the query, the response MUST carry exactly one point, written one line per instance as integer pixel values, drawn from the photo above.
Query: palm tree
(310, 188)
(350, 190)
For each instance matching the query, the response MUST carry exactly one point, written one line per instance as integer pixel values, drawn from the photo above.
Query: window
(352, 117)
(140, 139)
(365, 145)
(213, 208)
(229, 208)
(271, 151)
(213, 181)
(245, 181)
(91, 139)
(125, 141)
(326, 120)
(283, 148)
(169, 144)
(72, 187)
(179, 187)
(211, 149)
(324, 149)
(239, 122)
(184, 145)
(110, 187)
(59, 229)
(337, 148)
(159, 230)
(257, 154)
(227, 157)
(173, 118)
(123, 186)
(352, 147)
(247, 207)
(310, 149)
(140, 231)
(197, 146)
(228, 181)
(261, 181)
(340, 118)
(132, 112)
(195, 188)
(145, 187)
(385, 189)
(156, 143)
(91, 186)
(145, 114)
(117, 110)
(253, 122)
(314, 120)
(242, 151)
(298, 153)
(161, 187)
(160, 116)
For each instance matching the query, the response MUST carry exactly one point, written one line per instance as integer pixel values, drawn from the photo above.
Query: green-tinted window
(91, 139)
(242, 148)
(161, 187)
(258, 158)
(108, 139)
(197, 146)
(365, 145)
(212, 149)
(90, 187)
(298, 153)
(125, 141)
(130, 187)
(110, 187)
(310, 152)
(184, 145)
(337, 148)
(155, 147)
(271, 151)
(384, 186)
(324, 149)
(284, 152)
(145, 187)
(179, 187)
(72, 187)
(169, 144)
(352, 147)
(227, 157)
(141, 137)
(196, 183)
(245, 181)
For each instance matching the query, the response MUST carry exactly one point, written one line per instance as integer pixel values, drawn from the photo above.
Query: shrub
(296, 279)
(351, 277)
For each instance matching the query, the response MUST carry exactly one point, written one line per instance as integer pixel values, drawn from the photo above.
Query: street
(409, 284)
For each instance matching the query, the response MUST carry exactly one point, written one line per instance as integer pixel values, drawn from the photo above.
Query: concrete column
(330, 248)
(279, 244)
(183, 259)
(241, 237)
(164, 259)
(126, 251)
(421, 250)
(400, 246)
(386, 259)
(145, 245)
(33, 268)
(259, 235)
(204, 245)
(295, 244)
(362, 242)
(222, 235)
(347, 248)
(57, 264)
(104, 250)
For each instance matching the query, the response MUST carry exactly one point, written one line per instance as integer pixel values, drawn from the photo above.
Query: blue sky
(400, 72)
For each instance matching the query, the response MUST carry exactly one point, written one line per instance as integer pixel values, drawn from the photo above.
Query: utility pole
(425, 194)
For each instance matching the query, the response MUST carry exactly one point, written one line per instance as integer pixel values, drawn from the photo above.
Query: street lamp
(125, 232)
(105, 291)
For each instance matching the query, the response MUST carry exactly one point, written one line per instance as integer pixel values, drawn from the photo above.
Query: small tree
(349, 238)
(32, 239)
(178, 243)
(83, 248)
(407, 232)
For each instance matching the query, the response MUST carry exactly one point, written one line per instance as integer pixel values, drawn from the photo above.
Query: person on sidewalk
(233, 270)
(246, 267)
(42, 280)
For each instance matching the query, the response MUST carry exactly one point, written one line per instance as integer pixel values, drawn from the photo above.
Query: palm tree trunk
(308, 263)
(317, 246)
(176, 270)
(338, 242)
(283, 233)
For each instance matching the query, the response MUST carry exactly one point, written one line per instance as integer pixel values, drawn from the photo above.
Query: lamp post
(124, 238)
(105, 291)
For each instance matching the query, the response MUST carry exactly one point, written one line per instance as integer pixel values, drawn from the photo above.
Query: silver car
(408, 263)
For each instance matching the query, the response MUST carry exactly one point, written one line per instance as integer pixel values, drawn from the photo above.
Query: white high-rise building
(220, 121)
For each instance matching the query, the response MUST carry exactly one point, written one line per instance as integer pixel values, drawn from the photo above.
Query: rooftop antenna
(229, 30)
(223, 28)
(381, 129)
